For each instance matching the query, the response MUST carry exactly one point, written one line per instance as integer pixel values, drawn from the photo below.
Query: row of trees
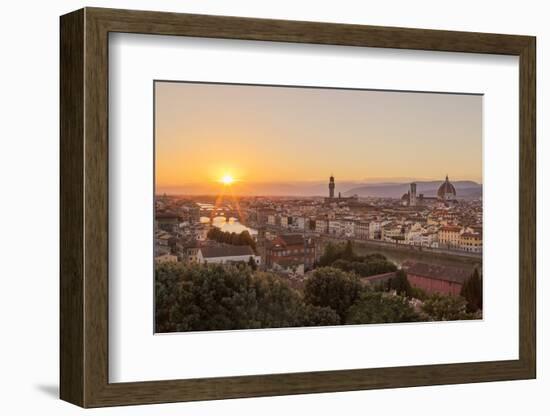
(242, 239)
(191, 297)
(354, 302)
(342, 256)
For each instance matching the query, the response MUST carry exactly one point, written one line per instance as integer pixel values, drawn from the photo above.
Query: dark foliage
(446, 308)
(400, 284)
(222, 297)
(343, 257)
(332, 253)
(472, 291)
(252, 264)
(365, 268)
(376, 307)
(242, 239)
(333, 288)
(320, 316)
(201, 297)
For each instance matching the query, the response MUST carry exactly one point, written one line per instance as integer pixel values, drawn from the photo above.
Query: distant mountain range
(464, 189)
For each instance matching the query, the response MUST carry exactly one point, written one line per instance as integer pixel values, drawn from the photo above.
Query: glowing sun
(227, 179)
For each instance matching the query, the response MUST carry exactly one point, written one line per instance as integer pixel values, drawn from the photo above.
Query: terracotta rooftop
(432, 271)
(377, 278)
(453, 228)
(226, 250)
(472, 235)
(288, 240)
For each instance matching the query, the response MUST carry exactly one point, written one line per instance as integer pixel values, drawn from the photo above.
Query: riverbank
(398, 254)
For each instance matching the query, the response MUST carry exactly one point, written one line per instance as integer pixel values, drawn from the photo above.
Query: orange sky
(282, 134)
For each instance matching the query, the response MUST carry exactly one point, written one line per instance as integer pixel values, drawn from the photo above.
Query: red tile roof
(226, 250)
(433, 271)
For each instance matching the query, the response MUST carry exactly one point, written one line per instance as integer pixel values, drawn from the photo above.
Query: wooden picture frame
(84, 207)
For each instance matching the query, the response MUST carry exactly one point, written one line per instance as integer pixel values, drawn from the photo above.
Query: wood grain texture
(96, 219)
(84, 207)
(527, 207)
(71, 213)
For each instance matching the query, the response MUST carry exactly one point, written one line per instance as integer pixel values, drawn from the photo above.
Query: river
(231, 225)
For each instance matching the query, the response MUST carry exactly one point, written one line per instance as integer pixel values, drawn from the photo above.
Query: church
(446, 193)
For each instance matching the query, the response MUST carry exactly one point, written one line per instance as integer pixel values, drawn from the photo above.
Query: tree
(342, 256)
(192, 297)
(344, 265)
(167, 277)
(366, 267)
(374, 256)
(246, 239)
(320, 316)
(446, 308)
(331, 254)
(252, 263)
(376, 307)
(400, 284)
(418, 293)
(214, 233)
(472, 291)
(333, 288)
(222, 297)
(213, 297)
(278, 305)
(347, 253)
(226, 238)
(242, 239)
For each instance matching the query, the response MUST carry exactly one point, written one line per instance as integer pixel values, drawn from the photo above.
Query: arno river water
(231, 225)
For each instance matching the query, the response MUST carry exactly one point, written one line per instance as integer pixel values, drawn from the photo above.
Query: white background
(29, 210)
(136, 355)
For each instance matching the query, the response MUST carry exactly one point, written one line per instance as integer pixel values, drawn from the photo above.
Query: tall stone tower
(412, 200)
(331, 187)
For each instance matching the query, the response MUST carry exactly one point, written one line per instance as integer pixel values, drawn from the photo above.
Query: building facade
(471, 242)
(449, 236)
(290, 250)
(445, 280)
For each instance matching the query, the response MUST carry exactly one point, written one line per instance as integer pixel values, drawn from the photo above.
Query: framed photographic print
(255, 207)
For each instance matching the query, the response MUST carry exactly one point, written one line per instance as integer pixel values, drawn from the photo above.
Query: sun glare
(227, 179)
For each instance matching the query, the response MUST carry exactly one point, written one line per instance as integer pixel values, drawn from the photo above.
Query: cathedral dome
(446, 190)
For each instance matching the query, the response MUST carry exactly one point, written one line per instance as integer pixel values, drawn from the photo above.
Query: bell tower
(331, 187)
(412, 199)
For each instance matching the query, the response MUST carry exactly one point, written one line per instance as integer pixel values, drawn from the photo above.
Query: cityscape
(238, 254)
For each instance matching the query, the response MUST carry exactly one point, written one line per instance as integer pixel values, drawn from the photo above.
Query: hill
(464, 189)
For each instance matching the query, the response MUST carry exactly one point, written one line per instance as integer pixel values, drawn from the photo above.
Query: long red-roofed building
(446, 280)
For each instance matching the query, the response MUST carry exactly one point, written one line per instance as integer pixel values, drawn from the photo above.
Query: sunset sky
(258, 134)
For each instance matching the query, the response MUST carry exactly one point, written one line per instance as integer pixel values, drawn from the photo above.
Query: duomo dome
(446, 191)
